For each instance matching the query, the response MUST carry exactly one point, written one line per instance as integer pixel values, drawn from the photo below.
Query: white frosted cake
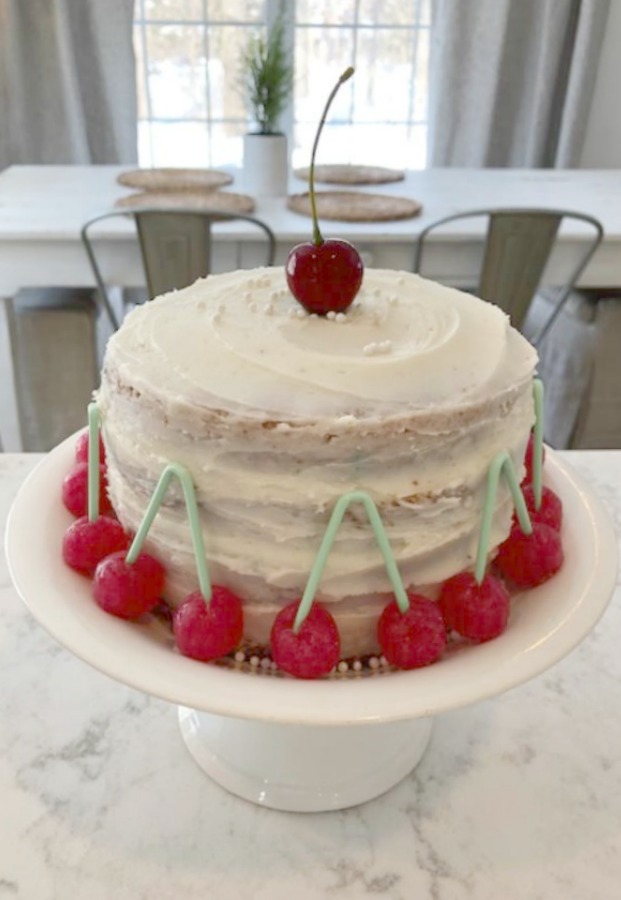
(407, 396)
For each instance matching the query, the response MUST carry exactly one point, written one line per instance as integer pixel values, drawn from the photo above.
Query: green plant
(267, 78)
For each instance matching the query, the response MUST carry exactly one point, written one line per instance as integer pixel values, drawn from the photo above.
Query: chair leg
(54, 363)
(599, 422)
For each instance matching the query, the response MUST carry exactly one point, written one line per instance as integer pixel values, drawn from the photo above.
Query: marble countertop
(517, 798)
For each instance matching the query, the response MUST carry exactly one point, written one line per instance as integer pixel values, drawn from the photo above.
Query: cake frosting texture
(408, 396)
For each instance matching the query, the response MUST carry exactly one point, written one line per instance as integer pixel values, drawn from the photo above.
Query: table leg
(10, 425)
(599, 421)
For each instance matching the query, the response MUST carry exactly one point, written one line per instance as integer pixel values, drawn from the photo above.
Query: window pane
(383, 75)
(179, 144)
(171, 9)
(321, 55)
(236, 10)
(396, 146)
(325, 12)
(417, 146)
(388, 12)
(177, 71)
(141, 82)
(227, 146)
(189, 144)
(425, 12)
(144, 143)
(225, 46)
(421, 78)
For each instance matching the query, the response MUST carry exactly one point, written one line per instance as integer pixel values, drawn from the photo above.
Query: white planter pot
(266, 165)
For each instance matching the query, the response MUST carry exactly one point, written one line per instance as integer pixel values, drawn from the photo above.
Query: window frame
(289, 122)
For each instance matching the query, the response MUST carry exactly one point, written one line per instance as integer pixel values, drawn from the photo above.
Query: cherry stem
(317, 237)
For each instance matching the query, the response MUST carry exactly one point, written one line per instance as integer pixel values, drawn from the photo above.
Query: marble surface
(517, 798)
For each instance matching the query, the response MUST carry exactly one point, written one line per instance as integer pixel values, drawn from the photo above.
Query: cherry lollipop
(310, 651)
(324, 276)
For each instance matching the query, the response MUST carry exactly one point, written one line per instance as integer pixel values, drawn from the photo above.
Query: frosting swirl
(240, 341)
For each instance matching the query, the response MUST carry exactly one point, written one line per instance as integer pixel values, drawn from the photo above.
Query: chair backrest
(175, 245)
(517, 248)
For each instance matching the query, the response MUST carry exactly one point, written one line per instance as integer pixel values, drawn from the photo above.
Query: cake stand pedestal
(309, 745)
(302, 769)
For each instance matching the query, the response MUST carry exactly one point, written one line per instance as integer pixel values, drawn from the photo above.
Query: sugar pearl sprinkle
(377, 348)
(257, 661)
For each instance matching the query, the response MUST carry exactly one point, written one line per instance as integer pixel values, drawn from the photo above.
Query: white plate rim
(546, 623)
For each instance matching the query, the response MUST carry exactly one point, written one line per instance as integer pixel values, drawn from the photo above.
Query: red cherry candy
(75, 491)
(209, 630)
(314, 650)
(127, 589)
(414, 638)
(529, 458)
(478, 612)
(550, 512)
(529, 560)
(81, 449)
(86, 543)
(324, 277)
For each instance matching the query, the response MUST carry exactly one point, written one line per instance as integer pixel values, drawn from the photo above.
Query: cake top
(240, 343)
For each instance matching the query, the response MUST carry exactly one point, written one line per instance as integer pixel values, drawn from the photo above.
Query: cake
(276, 414)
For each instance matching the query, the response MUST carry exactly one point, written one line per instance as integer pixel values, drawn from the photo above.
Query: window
(191, 112)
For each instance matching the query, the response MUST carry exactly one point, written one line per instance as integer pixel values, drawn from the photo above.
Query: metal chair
(518, 245)
(175, 245)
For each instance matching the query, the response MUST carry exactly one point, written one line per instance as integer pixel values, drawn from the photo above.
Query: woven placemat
(346, 174)
(174, 179)
(354, 206)
(220, 201)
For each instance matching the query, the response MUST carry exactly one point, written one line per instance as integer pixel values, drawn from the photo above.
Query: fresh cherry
(81, 449)
(550, 511)
(414, 638)
(86, 543)
(207, 631)
(314, 650)
(528, 560)
(478, 612)
(324, 276)
(127, 589)
(75, 491)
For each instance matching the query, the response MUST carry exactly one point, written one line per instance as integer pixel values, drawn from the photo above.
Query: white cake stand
(296, 745)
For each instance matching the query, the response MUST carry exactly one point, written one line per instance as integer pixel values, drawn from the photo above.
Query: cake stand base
(298, 768)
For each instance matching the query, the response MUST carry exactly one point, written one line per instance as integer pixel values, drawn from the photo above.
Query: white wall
(602, 146)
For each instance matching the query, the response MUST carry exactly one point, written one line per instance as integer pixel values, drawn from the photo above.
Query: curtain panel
(67, 82)
(511, 80)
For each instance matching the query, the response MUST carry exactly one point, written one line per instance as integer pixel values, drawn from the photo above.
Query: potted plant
(267, 82)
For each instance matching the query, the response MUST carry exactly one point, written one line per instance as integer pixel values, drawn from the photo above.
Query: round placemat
(353, 206)
(346, 174)
(174, 179)
(220, 201)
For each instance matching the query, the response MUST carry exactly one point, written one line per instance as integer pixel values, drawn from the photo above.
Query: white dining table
(42, 209)
(517, 797)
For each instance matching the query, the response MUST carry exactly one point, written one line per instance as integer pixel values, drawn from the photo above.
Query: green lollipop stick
(176, 470)
(336, 519)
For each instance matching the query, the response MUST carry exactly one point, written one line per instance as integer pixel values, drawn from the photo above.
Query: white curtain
(511, 80)
(67, 82)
